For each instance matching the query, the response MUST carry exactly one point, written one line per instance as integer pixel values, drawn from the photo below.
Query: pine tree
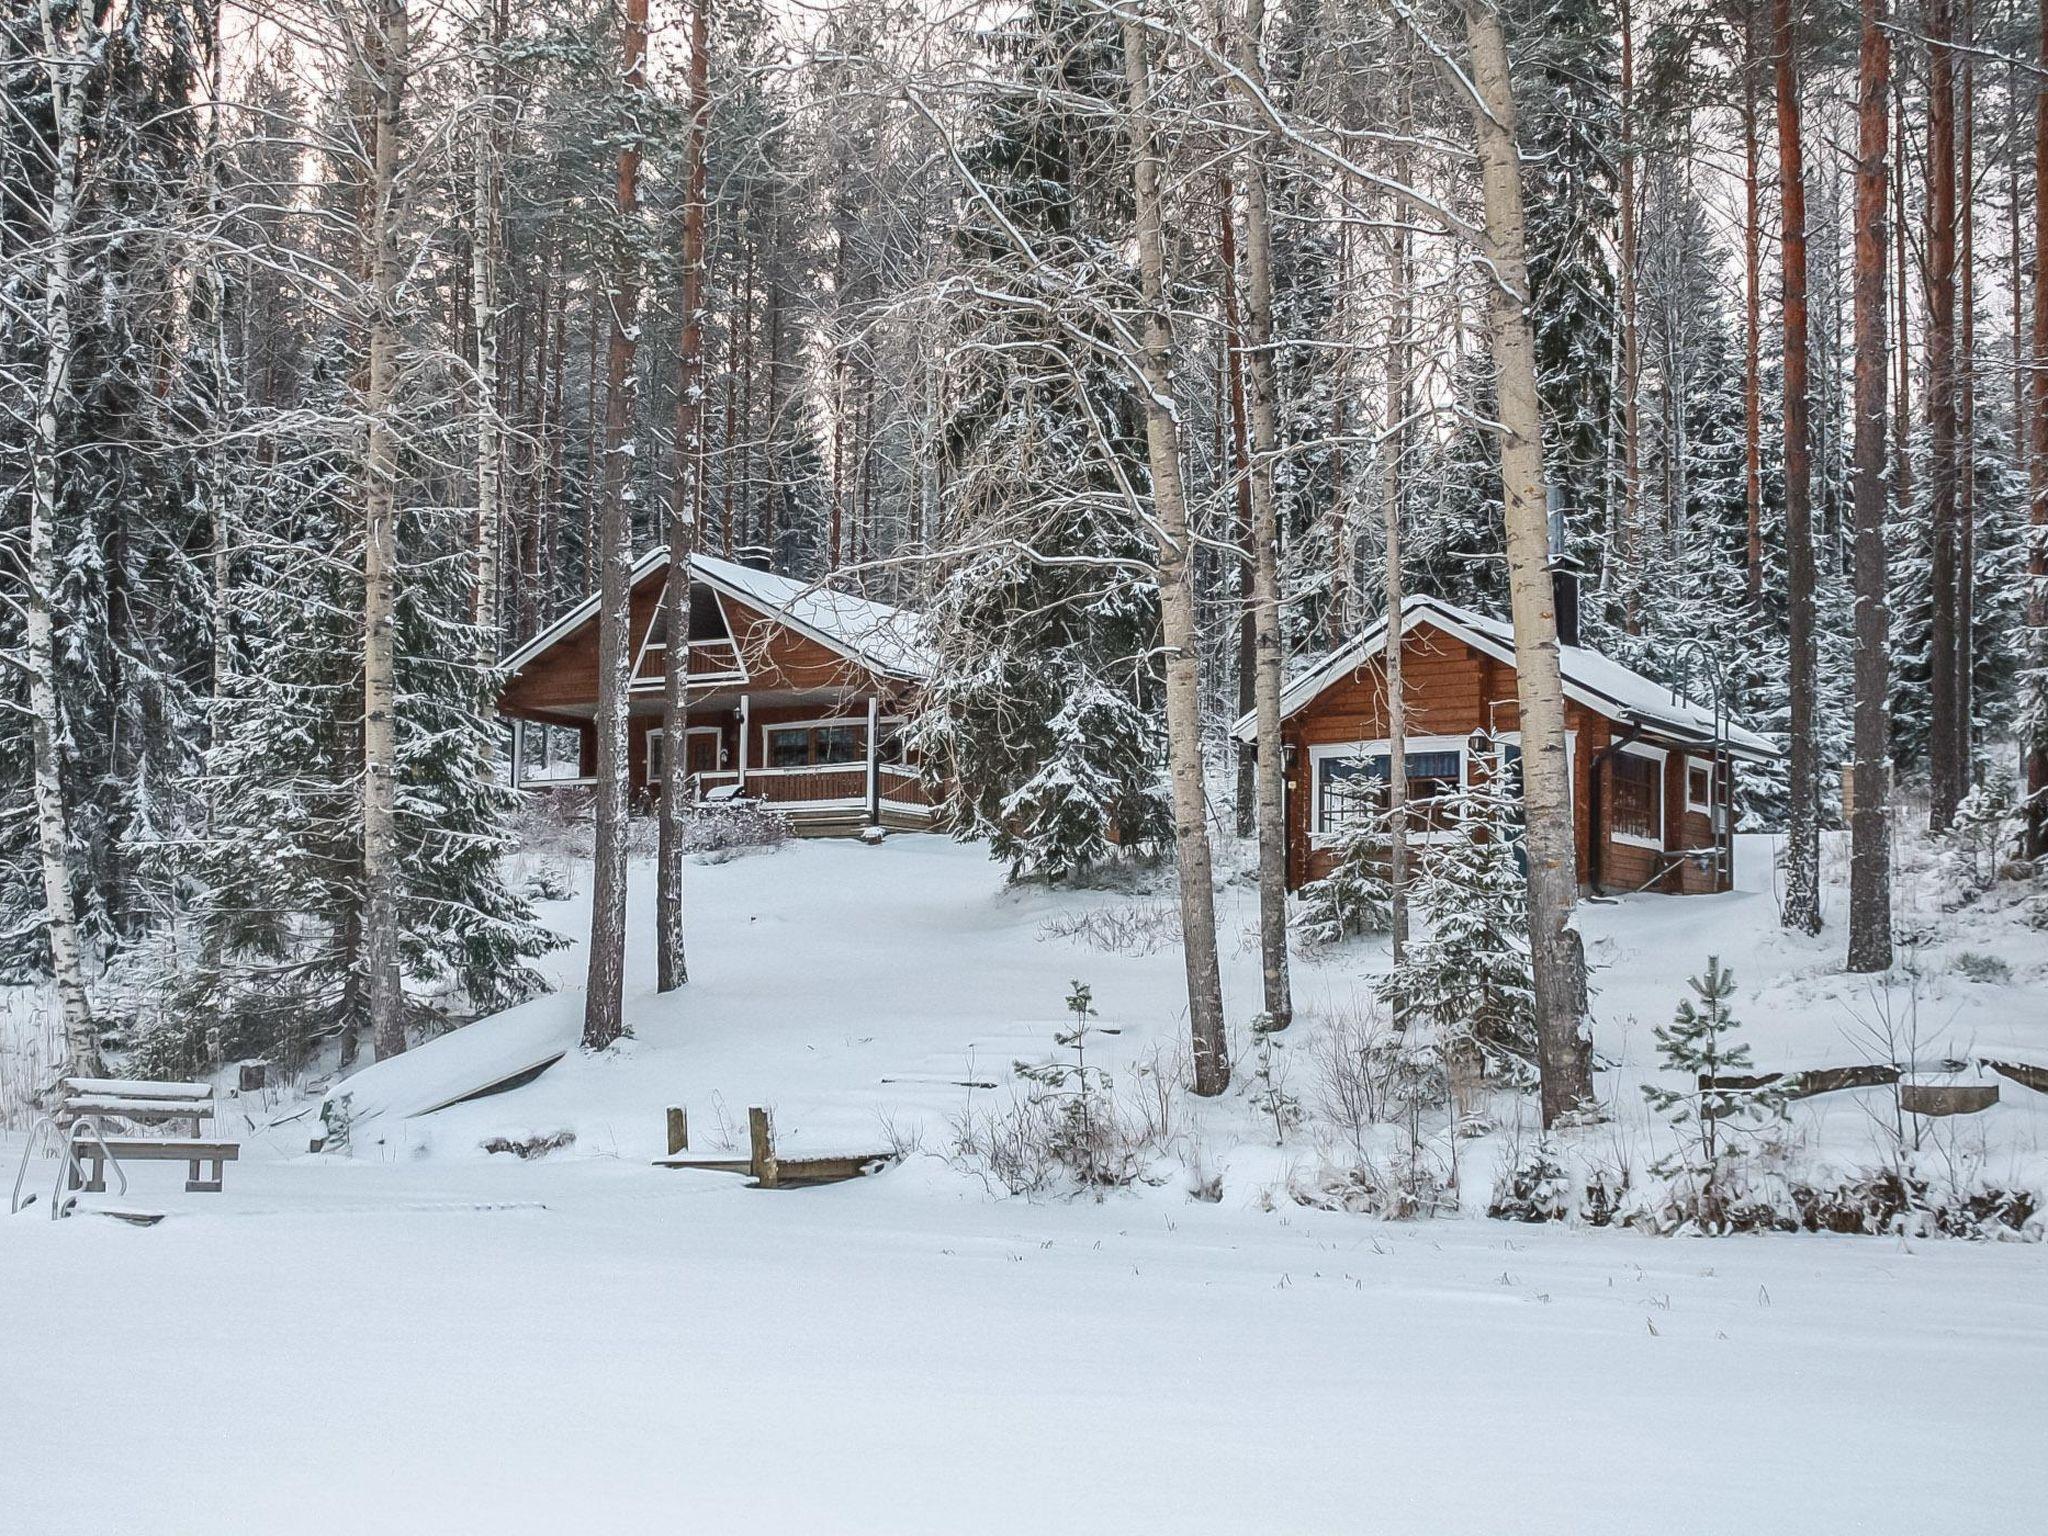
(1700, 1044)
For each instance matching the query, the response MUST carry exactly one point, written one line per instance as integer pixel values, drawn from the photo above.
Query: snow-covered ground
(421, 1336)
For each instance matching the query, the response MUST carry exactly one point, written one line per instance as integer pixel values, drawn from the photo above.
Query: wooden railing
(841, 784)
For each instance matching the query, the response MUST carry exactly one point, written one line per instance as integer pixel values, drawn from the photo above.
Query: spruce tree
(1466, 980)
(1044, 711)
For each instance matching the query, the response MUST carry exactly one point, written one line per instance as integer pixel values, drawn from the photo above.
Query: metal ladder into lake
(69, 1170)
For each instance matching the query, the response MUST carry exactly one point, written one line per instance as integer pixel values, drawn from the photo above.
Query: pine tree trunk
(1966, 407)
(671, 967)
(1565, 1046)
(68, 61)
(1802, 839)
(483, 281)
(604, 1000)
(1752, 312)
(2034, 713)
(1631, 349)
(1265, 541)
(1902, 330)
(1870, 898)
(1176, 589)
(1944, 786)
(389, 50)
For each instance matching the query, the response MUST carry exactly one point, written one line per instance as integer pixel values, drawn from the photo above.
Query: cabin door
(703, 754)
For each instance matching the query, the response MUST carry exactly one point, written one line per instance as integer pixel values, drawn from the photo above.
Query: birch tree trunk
(671, 968)
(1802, 836)
(604, 998)
(388, 50)
(1265, 541)
(69, 60)
(1558, 959)
(1176, 588)
(1238, 408)
(1870, 902)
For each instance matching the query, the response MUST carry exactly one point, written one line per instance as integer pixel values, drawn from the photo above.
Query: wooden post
(678, 1129)
(874, 760)
(761, 1144)
(518, 754)
(746, 730)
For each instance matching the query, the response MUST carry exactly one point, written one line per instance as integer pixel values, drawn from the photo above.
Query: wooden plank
(2024, 1073)
(137, 1088)
(167, 1149)
(138, 1109)
(761, 1142)
(707, 1162)
(678, 1129)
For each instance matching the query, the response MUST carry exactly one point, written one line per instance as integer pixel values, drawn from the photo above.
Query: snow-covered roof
(1596, 681)
(875, 634)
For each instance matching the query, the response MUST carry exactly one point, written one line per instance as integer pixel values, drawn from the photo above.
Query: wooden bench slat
(177, 1149)
(137, 1109)
(137, 1088)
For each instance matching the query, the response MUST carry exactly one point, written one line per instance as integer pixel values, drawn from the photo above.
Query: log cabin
(1652, 772)
(798, 696)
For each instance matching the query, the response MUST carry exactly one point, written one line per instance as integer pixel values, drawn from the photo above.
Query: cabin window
(1637, 814)
(822, 745)
(707, 628)
(1699, 785)
(550, 754)
(1351, 783)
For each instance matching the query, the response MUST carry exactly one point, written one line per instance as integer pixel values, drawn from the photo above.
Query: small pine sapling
(1082, 1131)
(1270, 1096)
(1700, 1043)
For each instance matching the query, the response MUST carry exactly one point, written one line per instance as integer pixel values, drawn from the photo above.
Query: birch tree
(1265, 538)
(73, 49)
(1176, 588)
(1557, 956)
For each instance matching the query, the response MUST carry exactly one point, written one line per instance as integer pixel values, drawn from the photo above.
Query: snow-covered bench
(141, 1103)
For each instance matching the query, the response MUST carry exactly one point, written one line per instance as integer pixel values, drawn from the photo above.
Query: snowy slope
(858, 991)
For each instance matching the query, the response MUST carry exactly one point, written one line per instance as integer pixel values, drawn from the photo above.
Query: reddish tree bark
(1943, 757)
(2037, 555)
(1870, 936)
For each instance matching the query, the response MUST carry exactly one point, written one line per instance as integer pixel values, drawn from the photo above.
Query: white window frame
(639, 677)
(1317, 755)
(1691, 762)
(1660, 757)
(523, 775)
(770, 727)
